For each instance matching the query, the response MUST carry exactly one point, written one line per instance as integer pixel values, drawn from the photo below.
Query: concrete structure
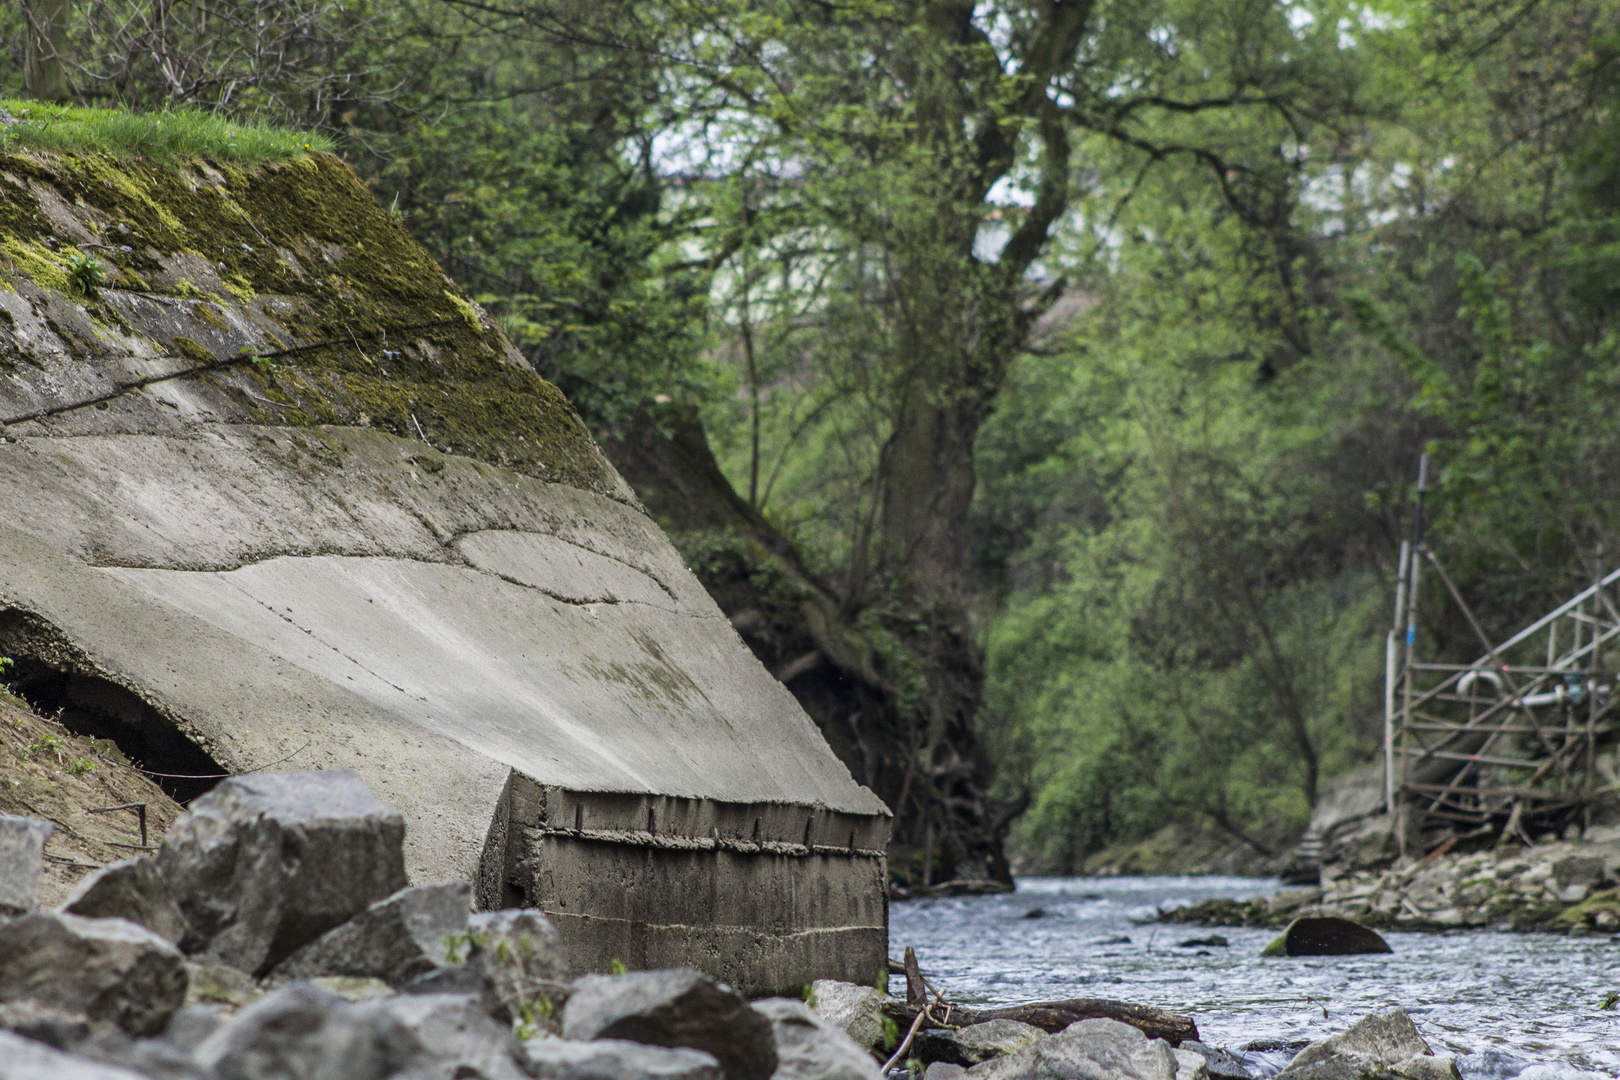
(277, 495)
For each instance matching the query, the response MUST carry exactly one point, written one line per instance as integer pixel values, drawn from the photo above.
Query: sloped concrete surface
(291, 563)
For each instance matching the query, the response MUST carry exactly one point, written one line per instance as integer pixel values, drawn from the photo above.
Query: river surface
(1510, 1005)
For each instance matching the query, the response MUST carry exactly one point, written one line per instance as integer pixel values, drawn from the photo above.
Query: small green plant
(616, 967)
(48, 744)
(459, 947)
(891, 1033)
(79, 766)
(533, 1016)
(1611, 1002)
(914, 1067)
(882, 983)
(86, 274)
(253, 356)
(809, 995)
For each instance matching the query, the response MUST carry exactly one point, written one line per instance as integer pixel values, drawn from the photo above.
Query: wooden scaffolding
(1507, 743)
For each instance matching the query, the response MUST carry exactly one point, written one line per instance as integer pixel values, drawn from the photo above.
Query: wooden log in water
(1054, 1016)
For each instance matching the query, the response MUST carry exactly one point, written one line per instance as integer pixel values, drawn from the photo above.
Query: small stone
(26, 1059)
(353, 988)
(1190, 1066)
(446, 1035)
(1574, 893)
(396, 939)
(191, 1025)
(612, 1059)
(1606, 921)
(810, 1048)
(216, 984)
(263, 864)
(22, 862)
(856, 1009)
(944, 1070)
(677, 1007)
(129, 889)
(109, 969)
(297, 1033)
(1578, 870)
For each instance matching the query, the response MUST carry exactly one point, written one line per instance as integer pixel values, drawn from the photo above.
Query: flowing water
(1510, 1005)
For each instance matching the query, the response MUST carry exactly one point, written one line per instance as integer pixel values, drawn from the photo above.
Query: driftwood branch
(1053, 1016)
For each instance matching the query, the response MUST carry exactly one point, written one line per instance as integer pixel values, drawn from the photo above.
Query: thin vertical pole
(1390, 676)
(1411, 639)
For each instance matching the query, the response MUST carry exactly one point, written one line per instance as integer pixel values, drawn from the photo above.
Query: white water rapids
(1525, 1006)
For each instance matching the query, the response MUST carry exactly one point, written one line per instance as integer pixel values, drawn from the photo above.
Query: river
(1509, 1005)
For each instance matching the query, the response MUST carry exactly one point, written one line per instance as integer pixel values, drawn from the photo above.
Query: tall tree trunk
(917, 750)
(44, 76)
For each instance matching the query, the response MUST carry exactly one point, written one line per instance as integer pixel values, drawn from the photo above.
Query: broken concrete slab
(111, 970)
(679, 1007)
(22, 862)
(398, 938)
(129, 889)
(263, 864)
(395, 549)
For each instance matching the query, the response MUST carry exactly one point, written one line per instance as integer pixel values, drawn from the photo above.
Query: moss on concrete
(374, 335)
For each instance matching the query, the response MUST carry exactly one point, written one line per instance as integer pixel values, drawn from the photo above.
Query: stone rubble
(273, 937)
(1568, 887)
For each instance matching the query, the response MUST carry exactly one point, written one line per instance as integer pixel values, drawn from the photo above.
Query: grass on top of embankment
(163, 136)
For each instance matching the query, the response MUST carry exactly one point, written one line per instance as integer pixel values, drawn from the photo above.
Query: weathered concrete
(297, 497)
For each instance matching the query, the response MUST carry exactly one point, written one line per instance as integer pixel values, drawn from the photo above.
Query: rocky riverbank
(273, 937)
(1565, 887)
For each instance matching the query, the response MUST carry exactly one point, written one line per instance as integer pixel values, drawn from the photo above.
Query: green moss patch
(160, 136)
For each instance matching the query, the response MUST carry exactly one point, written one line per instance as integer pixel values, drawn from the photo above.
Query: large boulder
(677, 1007)
(130, 889)
(446, 1035)
(408, 934)
(521, 955)
(111, 970)
(297, 1033)
(44, 1023)
(977, 1043)
(856, 1009)
(25, 1059)
(263, 864)
(810, 1048)
(615, 1059)
(1326, 935)
(22, 862)
(1089, 1050)
(1376, 1046)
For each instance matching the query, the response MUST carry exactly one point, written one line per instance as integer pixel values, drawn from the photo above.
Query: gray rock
(396, 939)
(22, 862)
(191, 1025)
(299, 1033)
(217, 984)
(263, 864)
(45, 1023)
(25, 1059)
(1380, 1044)
(1086, 1050)
(129, 889)
(977, 1043)
(1326, 935)
(158, 1059)
(856, 1009)
(1222, 1064)
(522, 957)
(444, 1035)
(1578, 870)
(617, 1059)
(810, 1048)
(1190, 1065)
(109, 969)
(678, 1007)
(944, 1070)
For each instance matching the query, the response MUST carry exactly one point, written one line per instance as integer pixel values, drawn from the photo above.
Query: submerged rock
(130, 889)
(263, 864)
(1222, 1064)
(111, 970)
(1378, 1045)
(679, 1007)
(977, 1043)
(1326, 935)
(26, 1059)
(22, 862)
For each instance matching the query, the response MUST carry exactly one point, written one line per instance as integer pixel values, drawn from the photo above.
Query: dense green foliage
(1078, 353)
